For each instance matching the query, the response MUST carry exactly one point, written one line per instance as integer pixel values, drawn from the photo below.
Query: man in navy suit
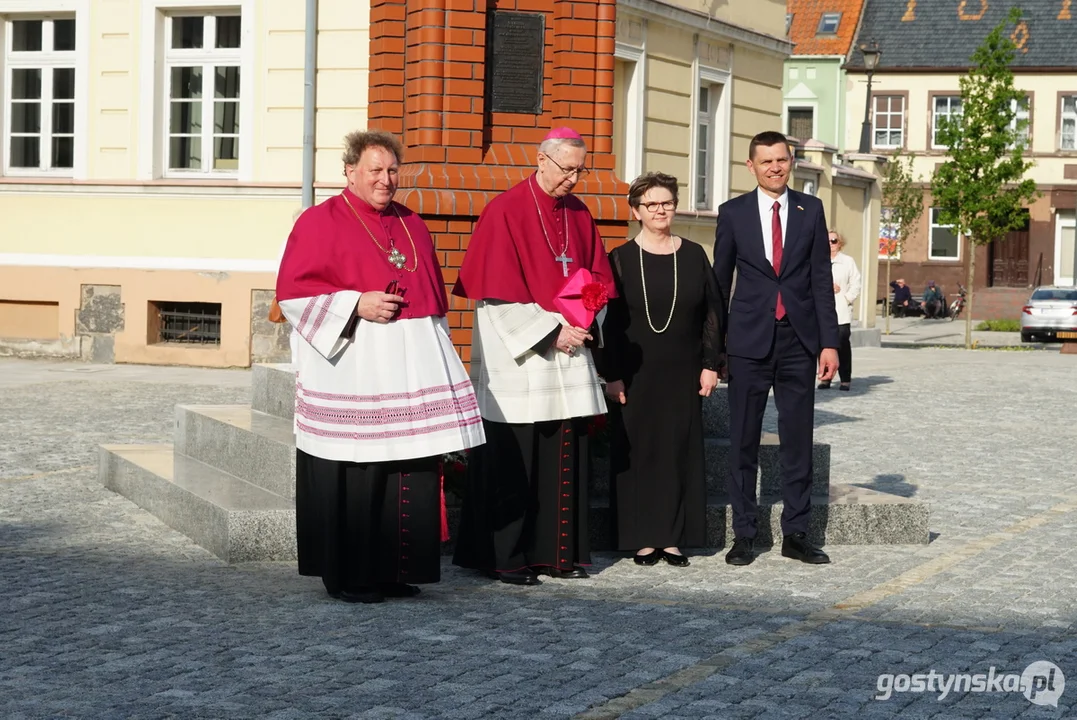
(782, 334)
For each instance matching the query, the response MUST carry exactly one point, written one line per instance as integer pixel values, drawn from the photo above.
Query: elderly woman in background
(664, 346)
(846, 291)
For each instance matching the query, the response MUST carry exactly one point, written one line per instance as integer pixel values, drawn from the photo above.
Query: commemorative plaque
(515, 62)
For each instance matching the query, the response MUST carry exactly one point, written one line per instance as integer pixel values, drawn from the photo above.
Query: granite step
(252, 445)
(273, 389)
(717, 454)
(847, 515)
(234, 520)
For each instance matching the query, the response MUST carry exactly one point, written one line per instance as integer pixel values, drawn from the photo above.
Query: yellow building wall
(757, 106)
(765, 16)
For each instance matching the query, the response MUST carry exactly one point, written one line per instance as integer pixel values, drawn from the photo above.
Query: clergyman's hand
(378, 307)
(570, 338)
(828, 364)
(616, 390)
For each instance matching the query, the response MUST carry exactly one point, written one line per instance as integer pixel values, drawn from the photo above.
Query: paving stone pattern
(108, 613)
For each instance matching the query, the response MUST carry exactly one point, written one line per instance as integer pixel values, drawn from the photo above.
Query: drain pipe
(310, 63)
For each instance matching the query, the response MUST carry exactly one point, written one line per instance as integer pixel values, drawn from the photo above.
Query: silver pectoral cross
(564, 260)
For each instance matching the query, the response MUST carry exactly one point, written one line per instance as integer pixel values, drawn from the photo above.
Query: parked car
(1049, 311)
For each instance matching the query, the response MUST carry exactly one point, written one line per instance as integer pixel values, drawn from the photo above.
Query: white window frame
(79, 58)
(931, 237)
(1023, 113)
(875, 114)
(836, 16)
(1063, 220)
(635, 108)
(1065, 117)
(156, 57)
(719, 119)
(935, 145)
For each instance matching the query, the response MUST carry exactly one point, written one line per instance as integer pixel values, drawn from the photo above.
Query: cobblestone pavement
(108, 613)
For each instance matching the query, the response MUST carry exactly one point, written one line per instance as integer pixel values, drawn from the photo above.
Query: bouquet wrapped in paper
(581, 298)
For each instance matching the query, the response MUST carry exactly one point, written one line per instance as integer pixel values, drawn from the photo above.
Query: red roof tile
(806, 16)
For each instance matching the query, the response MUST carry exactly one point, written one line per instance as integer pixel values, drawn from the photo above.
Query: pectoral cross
(564, 260)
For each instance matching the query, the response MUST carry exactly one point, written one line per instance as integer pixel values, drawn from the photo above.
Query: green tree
(903, 204)
(980, 190)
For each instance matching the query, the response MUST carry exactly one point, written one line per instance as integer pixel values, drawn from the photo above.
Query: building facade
(151, 170)
(813, 90)
(925, 50)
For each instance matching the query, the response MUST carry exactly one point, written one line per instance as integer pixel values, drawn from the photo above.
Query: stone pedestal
(228, 482)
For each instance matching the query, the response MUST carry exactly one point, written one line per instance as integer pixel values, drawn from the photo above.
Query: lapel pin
(799, 208)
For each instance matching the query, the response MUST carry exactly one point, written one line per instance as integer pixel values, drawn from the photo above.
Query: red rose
(595, 296)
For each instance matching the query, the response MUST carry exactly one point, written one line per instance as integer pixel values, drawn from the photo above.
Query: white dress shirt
(766, 212)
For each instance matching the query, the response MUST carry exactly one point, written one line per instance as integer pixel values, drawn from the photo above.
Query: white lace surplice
(389, 392)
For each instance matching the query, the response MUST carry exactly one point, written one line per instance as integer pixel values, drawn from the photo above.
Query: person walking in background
(782, 325)
(663, 350)
(846, 290)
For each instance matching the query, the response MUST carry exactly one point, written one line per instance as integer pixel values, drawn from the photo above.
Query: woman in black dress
(664, 346)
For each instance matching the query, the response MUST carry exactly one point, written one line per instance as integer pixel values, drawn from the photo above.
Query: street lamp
(871, 54)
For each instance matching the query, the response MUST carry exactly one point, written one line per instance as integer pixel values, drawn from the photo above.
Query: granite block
(251, 445)
(273, 389)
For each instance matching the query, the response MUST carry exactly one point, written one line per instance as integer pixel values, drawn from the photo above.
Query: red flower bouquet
(581, 298)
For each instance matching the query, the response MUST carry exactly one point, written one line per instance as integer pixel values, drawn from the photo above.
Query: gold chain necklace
(394, 256)
(643, 282)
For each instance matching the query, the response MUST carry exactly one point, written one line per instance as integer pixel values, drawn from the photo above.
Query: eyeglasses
(580, 171)
(667, 205)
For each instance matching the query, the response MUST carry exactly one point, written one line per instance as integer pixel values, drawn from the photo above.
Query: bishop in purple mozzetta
(533, 373)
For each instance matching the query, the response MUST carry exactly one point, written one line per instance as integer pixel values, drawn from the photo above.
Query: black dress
(657, 483)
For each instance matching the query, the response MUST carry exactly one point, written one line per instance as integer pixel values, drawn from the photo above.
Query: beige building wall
(685, 57)
(120, 220)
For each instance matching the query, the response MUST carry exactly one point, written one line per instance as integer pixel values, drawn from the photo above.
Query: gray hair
(551, 146)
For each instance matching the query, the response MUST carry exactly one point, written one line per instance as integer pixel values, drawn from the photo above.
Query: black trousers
(790, 370)
(845, 353)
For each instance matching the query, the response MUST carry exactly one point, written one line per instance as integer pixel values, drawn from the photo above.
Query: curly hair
(648, 181)
(357, 142)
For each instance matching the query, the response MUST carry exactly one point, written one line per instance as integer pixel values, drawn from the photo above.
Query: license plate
(1066, 335)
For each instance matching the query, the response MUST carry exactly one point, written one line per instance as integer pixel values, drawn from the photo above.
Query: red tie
(776, 240)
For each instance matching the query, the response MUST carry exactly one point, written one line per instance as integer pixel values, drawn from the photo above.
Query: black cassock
(658, 482)
(526, 502)
(359, 525)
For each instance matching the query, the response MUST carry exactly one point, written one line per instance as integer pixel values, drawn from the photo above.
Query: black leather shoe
(742, 552)
(399, 590)
(576, 573)
(675, 560)
(844, 387)
(823, 386)
(366, 595)
(650, 558)
(520, 577)
(797, 547)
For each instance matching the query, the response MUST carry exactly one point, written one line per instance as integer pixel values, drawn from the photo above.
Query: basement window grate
(187, 323)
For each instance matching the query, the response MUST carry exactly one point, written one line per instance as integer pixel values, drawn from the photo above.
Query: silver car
(1051, 310)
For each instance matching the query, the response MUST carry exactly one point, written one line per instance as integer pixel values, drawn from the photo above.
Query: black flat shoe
(675, 560)
(576, 573)
(797, 547)
(742, 552)
(399, 590)
(844, 387)
(650, 558)
(520, 577)
(823, 386)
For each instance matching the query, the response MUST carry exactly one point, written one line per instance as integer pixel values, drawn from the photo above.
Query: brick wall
(427, 85)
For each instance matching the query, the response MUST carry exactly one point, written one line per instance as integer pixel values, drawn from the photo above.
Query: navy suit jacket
(805, 280)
